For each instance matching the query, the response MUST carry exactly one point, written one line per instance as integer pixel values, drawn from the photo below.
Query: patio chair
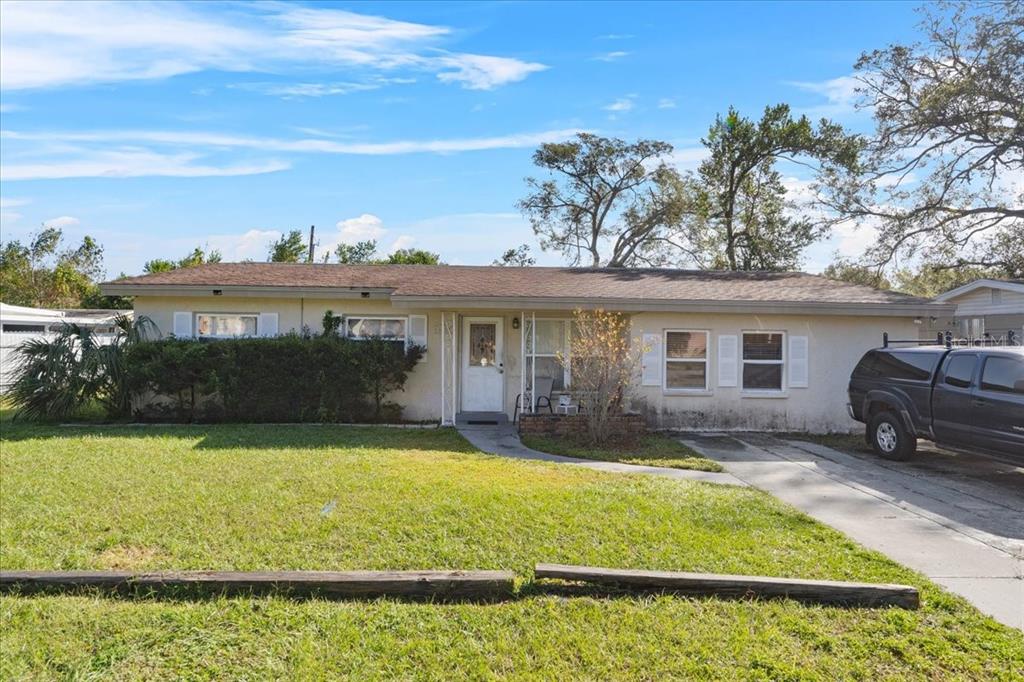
(543, 388)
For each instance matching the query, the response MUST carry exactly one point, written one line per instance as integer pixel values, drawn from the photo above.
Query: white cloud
(666, 103)
(688, 158)
(6, 108)
(611, 56)
(10, 202)
(62, 222)
(50, 44)
(129, 163)
(616, 36)
(840, 94)
(621, 105)
(367, 226)
(478, 72)
(298, 90)
(405, 241)
(443, 146)
(251, 245)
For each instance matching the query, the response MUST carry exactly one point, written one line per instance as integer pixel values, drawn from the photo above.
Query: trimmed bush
(284, 379)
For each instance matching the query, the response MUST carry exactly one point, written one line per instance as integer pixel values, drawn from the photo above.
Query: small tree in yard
(604, 360)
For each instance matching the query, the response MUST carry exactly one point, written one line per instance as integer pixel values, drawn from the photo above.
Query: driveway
(959, 519)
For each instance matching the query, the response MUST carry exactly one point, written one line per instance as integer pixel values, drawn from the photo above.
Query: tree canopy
(290, 248)
(940, 179)
(605, 201)
(518, 257)
(198, 256)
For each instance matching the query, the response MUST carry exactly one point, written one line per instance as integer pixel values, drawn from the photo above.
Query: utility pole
(312, 244)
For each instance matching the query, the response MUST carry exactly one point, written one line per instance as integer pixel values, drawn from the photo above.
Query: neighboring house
(723, 349)
(990, 307)
(18, 324)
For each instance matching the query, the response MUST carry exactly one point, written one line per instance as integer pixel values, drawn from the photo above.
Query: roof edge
(980, 284)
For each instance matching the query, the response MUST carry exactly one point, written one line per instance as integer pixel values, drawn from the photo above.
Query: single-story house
(990, 307)
(20, 323)
(722, 350)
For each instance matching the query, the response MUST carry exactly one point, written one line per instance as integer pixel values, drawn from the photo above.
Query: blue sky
(159, 127)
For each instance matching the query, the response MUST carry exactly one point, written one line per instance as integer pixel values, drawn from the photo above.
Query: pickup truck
(961, 398)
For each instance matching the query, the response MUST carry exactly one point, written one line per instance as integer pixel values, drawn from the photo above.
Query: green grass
(250, 497)
(653, 449)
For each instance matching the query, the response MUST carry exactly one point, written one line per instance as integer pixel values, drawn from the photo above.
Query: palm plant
(55, 377)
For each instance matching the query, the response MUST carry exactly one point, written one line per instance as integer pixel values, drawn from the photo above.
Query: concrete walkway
(504, 441)
(960, 537)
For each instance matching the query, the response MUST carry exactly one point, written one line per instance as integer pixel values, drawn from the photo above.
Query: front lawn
(652, 449)
(257, 497)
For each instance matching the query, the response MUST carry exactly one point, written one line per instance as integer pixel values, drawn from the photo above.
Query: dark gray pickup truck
(966, 398)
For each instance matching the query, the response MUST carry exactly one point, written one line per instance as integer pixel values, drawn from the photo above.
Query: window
(552, 340)
(909, 365)
(686, 360)
(960, 370)
(392, 328)
(762, 361)
(1003, 374)
(225, 325)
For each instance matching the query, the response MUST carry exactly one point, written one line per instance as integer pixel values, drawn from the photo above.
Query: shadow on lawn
(253, 436)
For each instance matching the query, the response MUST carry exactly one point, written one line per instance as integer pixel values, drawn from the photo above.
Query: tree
(928, 281)
(41, 274)
(604, 361)
(412, 257)
(855, 273)
(938, 175)
(605, 201)
(519, 257)
(740, 218)
(290, 248)
(198, 256)
(358, 253)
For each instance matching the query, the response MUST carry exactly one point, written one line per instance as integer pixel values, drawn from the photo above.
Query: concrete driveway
(959, 519)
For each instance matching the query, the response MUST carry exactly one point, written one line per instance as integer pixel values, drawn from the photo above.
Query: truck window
(960, 370)
(1003, 374)
(904, 365)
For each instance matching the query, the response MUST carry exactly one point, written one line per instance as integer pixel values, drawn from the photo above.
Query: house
(19, 324)
(762, 350)
(992, 307)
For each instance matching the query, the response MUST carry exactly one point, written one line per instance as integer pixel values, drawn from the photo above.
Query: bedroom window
(686, 360)
(390, 328)
(552, 340)
(762, 361)
(225, 325)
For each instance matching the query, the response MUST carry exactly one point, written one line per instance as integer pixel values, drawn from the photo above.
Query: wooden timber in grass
(444, 585)
(739, 586)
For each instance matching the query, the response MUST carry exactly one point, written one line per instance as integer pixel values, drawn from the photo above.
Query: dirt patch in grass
(124, 557)
(652, 449)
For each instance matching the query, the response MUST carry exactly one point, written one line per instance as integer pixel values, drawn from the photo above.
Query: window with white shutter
(418, 332)
(686, 360)
(267, 324)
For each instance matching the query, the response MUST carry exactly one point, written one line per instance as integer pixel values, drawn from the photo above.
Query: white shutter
(183, 325)
(728, 362)
(418, 331)
(798, 362)
(267, 326)
(651, 362)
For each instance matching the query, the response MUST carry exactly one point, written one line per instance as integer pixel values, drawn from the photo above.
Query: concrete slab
(504, 442)
(966, 537)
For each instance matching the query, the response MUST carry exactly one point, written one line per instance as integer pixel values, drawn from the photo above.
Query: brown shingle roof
(532, 283)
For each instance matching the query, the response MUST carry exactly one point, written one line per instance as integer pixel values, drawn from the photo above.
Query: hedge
(284, 379)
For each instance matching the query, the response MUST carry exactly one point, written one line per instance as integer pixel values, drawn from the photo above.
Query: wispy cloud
(299, 90)
(50, 44)
(840, 95)
(666, 103)
(7, 108)
(10, 202)
(616, 36)
(621, 105)
(129, 163)
(62, 222)
(304, 145)
(611, 56)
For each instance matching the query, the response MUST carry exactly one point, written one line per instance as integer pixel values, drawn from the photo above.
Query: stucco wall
(835, 346)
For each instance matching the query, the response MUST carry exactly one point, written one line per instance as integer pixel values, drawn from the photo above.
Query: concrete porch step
(481, 419)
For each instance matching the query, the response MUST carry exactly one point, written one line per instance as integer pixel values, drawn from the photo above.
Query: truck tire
(889, 437)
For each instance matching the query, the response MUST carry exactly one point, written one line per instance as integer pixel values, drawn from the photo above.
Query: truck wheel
(889, 438)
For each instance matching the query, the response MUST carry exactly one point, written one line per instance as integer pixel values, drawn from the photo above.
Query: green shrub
(284, 379)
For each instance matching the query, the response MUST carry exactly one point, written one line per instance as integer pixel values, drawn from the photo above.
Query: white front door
(483, 368)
